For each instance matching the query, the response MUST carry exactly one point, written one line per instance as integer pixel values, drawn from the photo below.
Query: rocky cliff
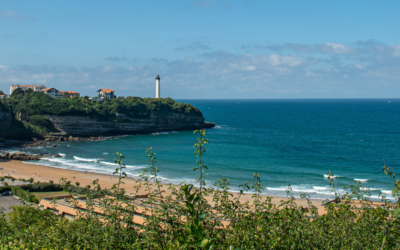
(5, 120)
(85, 126)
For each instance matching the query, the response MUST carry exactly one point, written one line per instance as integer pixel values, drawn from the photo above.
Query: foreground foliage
(184, 219)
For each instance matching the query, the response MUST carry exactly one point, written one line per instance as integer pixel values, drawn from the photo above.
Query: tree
(13, 179)
(88, 186)
(65, 95)
(16, 92)
(2, 179)
(1, 92)
(77, 184)
(30, 180)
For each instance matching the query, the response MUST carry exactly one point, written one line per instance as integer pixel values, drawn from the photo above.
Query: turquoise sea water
(292, 142)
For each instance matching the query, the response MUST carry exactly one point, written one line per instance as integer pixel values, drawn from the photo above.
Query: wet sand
(45, 174)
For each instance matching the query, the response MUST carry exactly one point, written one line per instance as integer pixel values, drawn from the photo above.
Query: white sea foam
(377, 197)
(277, 189)
(127, 166)
(335, 176)
(108, 163)
(386, 192)
(164, 133)
(105, 153)
(366, 188)
(321, 188)
(362, 180)
(85, 159)
(326, 193)
(61, 154)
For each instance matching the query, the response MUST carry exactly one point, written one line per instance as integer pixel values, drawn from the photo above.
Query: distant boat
(389, 102)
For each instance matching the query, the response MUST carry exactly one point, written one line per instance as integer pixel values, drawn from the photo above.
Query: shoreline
(46, 173)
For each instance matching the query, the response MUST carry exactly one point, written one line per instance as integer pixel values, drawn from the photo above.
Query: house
(106, 93)
(53, 92)
(96, 99)
(26, 87)
(3, 96)
(70, 93)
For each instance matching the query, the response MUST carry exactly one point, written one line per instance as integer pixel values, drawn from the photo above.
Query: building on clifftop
(3, 96)
(106, 93)
(53, 92)
(26, 87)
(70, 94)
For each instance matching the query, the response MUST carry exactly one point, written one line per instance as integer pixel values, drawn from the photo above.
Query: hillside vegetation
(27, 107)
(185, 219)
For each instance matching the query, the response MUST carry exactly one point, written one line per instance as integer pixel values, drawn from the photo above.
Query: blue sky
(204, 48)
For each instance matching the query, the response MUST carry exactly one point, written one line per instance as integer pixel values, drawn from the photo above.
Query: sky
(204, 49)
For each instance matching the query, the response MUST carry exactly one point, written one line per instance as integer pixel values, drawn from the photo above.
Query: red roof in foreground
(70, 92)
(107, 90)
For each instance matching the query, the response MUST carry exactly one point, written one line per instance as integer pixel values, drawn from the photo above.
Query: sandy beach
(45, 174)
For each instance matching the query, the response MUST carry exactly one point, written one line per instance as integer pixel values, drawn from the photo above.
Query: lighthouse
(158, 86)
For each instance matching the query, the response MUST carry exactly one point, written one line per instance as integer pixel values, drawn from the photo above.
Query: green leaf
(396, 212)
(202, 216)
(196, 232)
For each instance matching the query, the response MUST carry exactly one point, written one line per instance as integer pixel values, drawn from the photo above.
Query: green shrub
(185, 219)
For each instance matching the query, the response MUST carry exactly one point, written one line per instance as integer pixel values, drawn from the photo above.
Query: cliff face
(85, 126)
(5, 120)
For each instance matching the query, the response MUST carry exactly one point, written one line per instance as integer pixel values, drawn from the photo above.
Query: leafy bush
(28, 110)
(43, 122)
(33, 105)
(185, 219)
(25, 195)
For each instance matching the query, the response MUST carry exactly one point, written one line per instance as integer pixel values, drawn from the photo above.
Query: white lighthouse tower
(158, 86)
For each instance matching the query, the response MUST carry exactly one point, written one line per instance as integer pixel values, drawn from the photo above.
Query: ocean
(292, 142)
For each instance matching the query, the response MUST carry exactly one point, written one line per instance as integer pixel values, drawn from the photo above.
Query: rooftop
(106, 91)
(25, 86)
(44, 90)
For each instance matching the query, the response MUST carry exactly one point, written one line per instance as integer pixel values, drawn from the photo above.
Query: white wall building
(53, 92)
(70, 94)
(26, 87)
(106, 93)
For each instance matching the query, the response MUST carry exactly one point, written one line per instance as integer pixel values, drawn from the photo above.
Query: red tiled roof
(44, 90)
(107, 90)
(25, 86)
(3, 95)
(69, 92)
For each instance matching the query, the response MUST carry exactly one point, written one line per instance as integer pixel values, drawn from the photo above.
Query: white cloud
(337, 48)
(222, 74)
